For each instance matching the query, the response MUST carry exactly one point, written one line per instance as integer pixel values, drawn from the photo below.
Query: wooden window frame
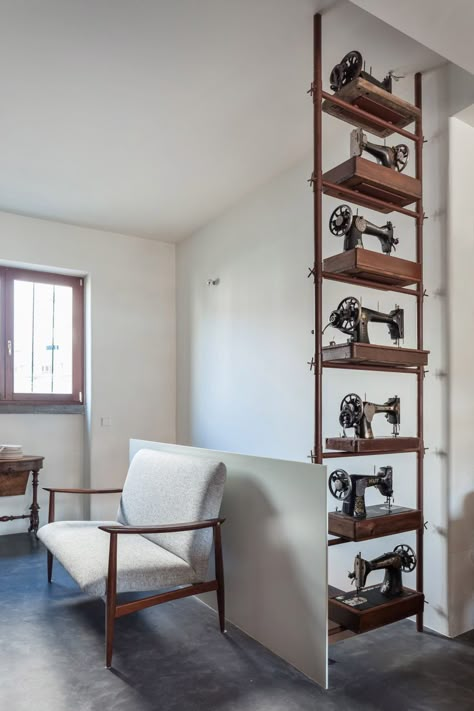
(7, 396)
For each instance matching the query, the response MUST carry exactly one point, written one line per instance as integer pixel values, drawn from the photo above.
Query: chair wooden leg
(219, 577)
(50, 566)
(109, 635)
(111, 601)
(50, 520)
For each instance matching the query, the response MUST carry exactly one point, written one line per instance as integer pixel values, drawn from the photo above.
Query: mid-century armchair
(156, 549)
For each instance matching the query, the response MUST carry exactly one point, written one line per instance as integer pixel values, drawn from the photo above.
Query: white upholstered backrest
(166, 488)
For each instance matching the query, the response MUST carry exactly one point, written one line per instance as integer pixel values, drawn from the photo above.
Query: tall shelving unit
(370, 269)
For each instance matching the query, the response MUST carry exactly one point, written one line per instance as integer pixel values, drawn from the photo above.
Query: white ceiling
(445, 27)
(150, 117)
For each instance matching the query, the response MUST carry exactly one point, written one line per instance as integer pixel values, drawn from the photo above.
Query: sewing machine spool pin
(358, 414)
(350, 489)
(351, 67)
(352, 319)
(393, 157)
(401, 559)
(343, 223)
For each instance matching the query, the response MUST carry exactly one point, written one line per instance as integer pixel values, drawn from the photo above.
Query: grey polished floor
(172, 657)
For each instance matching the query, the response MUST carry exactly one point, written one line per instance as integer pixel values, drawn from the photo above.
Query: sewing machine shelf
(381, 270)
(379, 522)
(365, 102)
(372, 185)
(373, 100)
(377, 445)
(377, 611)
(367, 355)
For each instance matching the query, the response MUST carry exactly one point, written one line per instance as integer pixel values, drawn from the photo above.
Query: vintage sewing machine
(352, 318)
(343, 223)
(394, 157)
(351, 67)
(350, 489)
(402, 558)
(356, 413)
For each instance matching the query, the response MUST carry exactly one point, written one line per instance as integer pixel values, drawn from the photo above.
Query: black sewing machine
(402, 558)
(352, 318)
(343, 223)
(356, 413)
(351, 67)
(394, 157)
(350, 488)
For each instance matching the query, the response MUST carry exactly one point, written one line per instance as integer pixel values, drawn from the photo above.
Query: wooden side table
(14, 475)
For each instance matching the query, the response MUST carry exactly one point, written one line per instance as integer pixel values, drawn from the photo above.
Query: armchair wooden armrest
(166, 528)
(55, 490)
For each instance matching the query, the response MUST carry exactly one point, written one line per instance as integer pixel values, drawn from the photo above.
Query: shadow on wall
(461, 568)
(270, 592)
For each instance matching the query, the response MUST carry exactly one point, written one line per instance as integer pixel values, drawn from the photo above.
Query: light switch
(105, 421)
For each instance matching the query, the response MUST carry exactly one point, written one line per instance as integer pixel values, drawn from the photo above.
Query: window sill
(25, 408)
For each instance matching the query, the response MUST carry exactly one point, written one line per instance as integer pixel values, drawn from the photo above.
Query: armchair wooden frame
(114, 610)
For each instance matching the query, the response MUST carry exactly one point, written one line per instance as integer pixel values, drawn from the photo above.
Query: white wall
(461, 378)
(130, 352)
(244, 385)
(243, 382)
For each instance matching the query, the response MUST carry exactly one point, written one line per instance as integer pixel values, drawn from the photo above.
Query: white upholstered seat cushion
(83, 549)
(166, 488)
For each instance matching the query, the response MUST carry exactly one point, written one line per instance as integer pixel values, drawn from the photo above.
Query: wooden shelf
(355, 445)
(376, 187)
(378, 611)
(375, 101)
(374, 267)
(336, 631)
(379, 522)
(369, 354)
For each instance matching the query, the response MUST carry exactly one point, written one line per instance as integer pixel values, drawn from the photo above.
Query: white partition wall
(275, 553)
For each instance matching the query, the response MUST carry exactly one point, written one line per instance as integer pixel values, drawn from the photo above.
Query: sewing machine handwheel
(351, 308)
(347, 70)
(340, 484)
(408, 557)
(351, 410)
(401, 157)
(340, 221)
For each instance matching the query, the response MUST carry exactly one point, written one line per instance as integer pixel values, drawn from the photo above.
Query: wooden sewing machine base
(369, 354)
(371, 180)
(372, 266)
(379, 522)
(374, 609)
(356, 445)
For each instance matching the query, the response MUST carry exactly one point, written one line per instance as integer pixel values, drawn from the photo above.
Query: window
(42, 344)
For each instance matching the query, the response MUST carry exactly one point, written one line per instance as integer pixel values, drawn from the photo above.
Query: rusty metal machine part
(358, 414)
(351, 67)
(353, 319)
(350, 489)
(401, 559)
(343, 223)
(393, 157)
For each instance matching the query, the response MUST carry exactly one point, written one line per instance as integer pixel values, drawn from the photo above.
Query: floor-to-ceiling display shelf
(363, 182)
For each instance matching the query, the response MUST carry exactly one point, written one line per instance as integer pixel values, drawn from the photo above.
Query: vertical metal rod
(318, 238)
(419, 327)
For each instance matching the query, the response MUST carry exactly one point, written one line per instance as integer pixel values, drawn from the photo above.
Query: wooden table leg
(34, 508)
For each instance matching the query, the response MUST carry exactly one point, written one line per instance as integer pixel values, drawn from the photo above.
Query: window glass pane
(42, 338)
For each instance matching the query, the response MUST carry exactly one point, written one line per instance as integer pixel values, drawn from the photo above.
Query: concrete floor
(173, 658)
